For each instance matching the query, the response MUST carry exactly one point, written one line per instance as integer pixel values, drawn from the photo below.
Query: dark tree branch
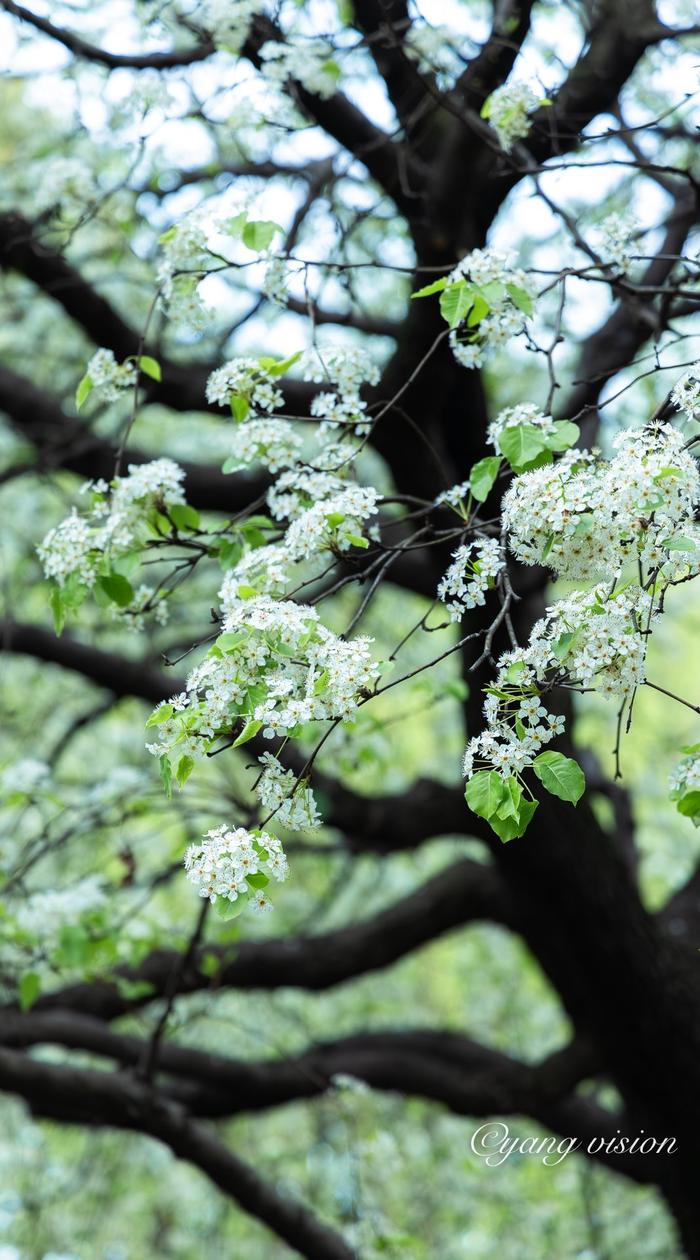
(182, 387)
(438, 1065)
(64, 442)
(91, 52)
(118, 674)
(81, 1096)
(466, 892)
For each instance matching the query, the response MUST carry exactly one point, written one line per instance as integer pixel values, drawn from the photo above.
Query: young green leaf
(29, 989)
(560, 775)
(483, 476)
(259, 234)
(485, 792)
(521, 443)
(185, 766)
(564, 434)
(249, 731)
(117, 588)
(85, 387)
(183, 516)
(166, 775)
(456, 302)
(520, 298)
(150, 367)
(58, 609)
(437, 286)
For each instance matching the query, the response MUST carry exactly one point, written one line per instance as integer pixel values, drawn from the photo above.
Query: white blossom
(474, 567)
(109, 378)
(228, 864)
(508, 110)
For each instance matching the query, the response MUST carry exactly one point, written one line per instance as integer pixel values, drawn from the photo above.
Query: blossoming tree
(366, 382)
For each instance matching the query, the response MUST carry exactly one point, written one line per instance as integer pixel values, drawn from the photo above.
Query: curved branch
(463, 893)
(81, 1096)
(64, 442)
(91, 52)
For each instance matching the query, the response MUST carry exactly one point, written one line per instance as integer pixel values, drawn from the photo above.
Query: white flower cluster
(336, 522)
(501, 748)
(278, 791)
(595, 638)
(184, 260)
(508, 110)
(109, 378)
(272, 443)
(686, 775)
(473, 570)
(686, 393)
(490, 271)
(298, 489)
(348, 369)
(616, 244)
(77, 545)
(311, 64)
(43, 914)
(277, 665)
(246, 379)
(455, 497)
(584, 516)
(275, 283)
(235, 865)
(433, 48)
(521, 413)
(228, 21)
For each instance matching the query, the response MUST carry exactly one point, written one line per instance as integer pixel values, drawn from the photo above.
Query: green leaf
(437, 286)
(482, 477)
(58, 609)
(235, 225)
(160, 715)
(455, 302)
(560, 775)
(225, 909)
(521, 443)
(240, 407)
(259, 234)
(29, 989)
(85, 387)
(689, 805)
(118, 588)
(183, 516)
(679, 543)
(249, 731)
(513, 828)
(479, 309)
(151, 367)
(564, 434)
(166, 775)
(358, 541)
(484, 793)
(230, 640)
(185, 766)
(278, 367)
(510, 805)
(520, 298)
(258, 880)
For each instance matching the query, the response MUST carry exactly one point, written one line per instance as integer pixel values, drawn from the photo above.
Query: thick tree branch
(182, 387)
(438, 1065)
(64, 442)
(81, 1096)
(464, 893)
